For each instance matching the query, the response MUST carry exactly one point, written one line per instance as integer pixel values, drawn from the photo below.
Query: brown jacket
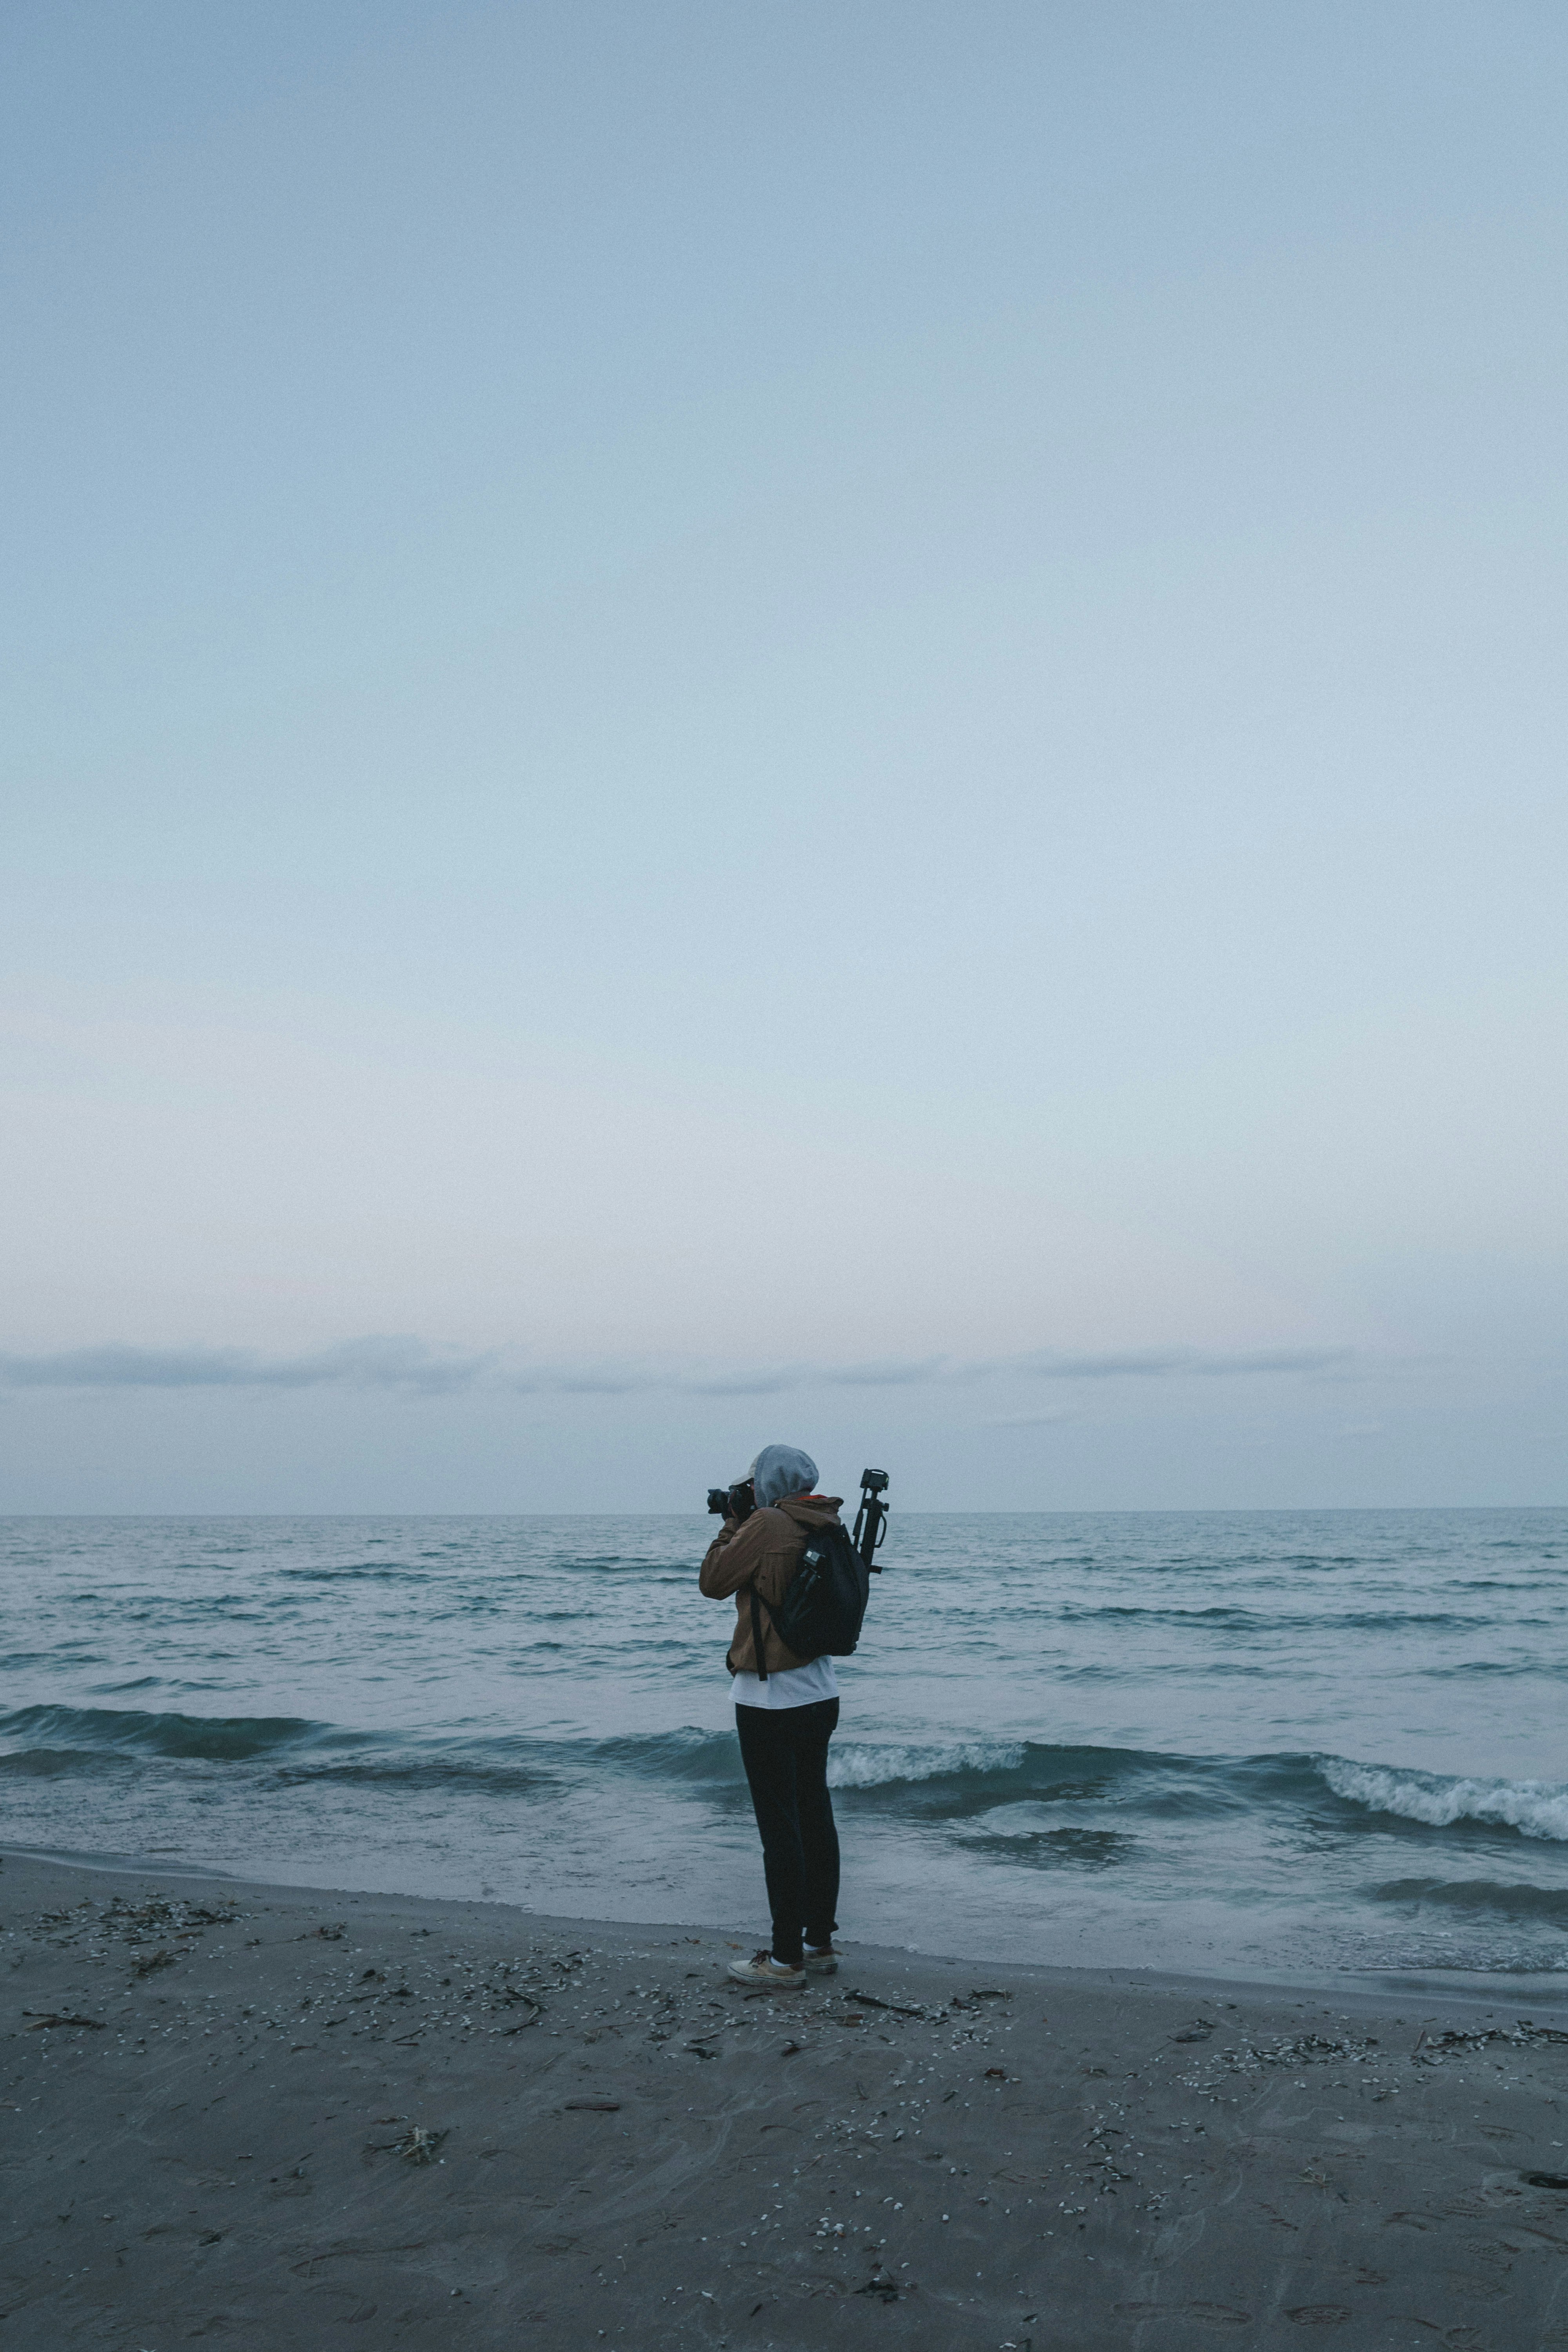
(763, 1550)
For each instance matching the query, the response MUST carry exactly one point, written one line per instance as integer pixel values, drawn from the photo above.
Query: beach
(262, 2115)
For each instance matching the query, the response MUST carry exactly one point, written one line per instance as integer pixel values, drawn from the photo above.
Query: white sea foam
(854, 1765)
(1538, 1808)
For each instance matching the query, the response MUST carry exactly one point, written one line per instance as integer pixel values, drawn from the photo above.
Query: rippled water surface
(1258, 1741)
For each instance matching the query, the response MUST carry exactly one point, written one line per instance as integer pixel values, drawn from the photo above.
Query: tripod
(871, 1519)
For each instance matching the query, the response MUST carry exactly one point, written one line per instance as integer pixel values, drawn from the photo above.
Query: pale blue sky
(841, 723)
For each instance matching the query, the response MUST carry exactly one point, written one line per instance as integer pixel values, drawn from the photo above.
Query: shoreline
(1496, 1990)
(264, 2111)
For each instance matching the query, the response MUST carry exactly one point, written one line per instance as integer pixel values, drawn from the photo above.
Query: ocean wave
(291, 1752)
(223, 1738)
(1029, 1832)
(688, 1754)
(957, 1779)
(374, 1571)
(1537, 1809)
(1141, 1612)
(855, 1764)
(1480, 1894)
(59, 1763)
(452, 1773)
(1237, 1617)
(1484, 1669)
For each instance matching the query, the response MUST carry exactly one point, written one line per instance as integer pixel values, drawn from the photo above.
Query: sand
(269, 2118)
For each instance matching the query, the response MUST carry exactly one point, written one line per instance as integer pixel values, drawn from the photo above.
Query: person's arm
(733, 1557)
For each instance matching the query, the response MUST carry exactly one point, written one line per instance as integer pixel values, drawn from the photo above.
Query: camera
(736, 1502)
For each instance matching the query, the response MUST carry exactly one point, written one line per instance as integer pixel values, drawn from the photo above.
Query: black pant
(785, 1752)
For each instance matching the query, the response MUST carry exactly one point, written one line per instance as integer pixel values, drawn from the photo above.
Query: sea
(1286, 1746)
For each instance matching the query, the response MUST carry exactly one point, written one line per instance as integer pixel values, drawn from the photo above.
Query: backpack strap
(757, 1635)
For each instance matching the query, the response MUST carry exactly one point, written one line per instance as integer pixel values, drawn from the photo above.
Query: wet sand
(267, 2117)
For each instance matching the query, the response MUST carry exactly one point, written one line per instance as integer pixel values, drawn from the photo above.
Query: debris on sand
(416, 2145)
(512, 1998)
(43, 2018)
(896, 2007)
(1431, 2049)
(597, 2106)
(138, 1922)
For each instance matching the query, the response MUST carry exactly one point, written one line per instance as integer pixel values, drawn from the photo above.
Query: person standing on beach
(786, 1710)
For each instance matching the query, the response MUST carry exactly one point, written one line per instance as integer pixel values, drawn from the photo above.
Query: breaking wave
(1537, 1809)
(854, 1764)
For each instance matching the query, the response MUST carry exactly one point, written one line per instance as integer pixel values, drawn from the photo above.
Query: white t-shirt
(796, 1686)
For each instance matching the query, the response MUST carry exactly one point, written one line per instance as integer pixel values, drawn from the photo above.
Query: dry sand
(264, 2117)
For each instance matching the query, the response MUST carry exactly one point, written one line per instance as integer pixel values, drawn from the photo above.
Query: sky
(828, 723)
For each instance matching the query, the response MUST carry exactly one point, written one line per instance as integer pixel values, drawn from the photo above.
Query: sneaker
(762, 1969)
(821, 1960)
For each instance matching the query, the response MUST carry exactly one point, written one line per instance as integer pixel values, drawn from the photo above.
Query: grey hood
(781, 1470)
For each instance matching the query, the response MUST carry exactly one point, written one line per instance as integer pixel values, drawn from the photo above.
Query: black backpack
(824, 1604)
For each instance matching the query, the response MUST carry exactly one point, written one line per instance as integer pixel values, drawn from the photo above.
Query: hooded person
(786, 1710)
